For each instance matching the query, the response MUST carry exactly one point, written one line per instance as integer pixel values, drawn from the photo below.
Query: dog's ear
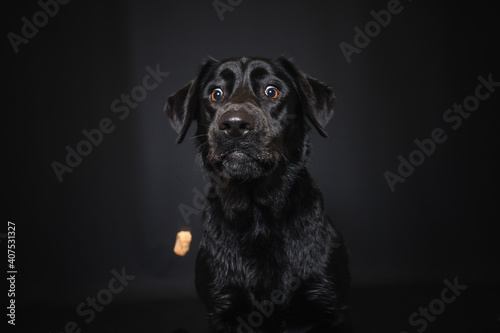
(182, 107)
(316, 98)
(319, 101)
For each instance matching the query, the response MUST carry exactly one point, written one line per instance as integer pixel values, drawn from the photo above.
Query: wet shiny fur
(270, 259)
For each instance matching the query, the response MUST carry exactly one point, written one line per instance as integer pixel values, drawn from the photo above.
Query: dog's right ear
(182, 107)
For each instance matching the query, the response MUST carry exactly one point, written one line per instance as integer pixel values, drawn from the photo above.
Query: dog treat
(182, 243)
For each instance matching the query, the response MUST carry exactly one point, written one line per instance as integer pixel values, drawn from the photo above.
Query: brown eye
(271, 92)
(217, 94)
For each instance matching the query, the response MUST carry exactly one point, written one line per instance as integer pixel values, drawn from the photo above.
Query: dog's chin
(241, 166)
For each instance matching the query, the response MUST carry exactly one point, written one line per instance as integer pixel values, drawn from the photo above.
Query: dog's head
(251, 114)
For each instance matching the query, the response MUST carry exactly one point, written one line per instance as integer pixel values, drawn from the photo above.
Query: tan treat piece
(182, 243)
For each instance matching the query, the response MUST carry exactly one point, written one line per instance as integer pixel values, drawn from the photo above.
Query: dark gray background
(120, 206)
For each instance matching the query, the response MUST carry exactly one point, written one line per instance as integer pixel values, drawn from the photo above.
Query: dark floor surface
(376, 309)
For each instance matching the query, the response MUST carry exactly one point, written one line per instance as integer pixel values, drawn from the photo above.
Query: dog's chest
(258, 251)
(263, 256)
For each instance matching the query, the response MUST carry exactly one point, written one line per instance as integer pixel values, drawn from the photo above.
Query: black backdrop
(119, 207)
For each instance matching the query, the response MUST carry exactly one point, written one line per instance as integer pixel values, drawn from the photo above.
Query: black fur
(270, 259)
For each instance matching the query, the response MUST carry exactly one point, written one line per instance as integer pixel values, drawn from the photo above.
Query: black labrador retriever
(270, 259)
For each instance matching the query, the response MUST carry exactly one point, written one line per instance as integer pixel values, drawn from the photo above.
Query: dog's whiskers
(281, 153)
(197, 136)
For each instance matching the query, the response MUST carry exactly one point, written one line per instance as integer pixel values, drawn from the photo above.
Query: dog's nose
(236, 124)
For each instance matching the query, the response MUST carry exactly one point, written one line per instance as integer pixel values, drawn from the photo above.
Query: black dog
(270, 259)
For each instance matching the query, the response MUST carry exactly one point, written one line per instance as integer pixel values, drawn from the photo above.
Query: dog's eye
(217, 94)
(271, 92)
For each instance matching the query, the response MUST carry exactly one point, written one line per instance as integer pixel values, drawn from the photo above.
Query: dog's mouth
(239, 156)
(245, 165)
(248, 158)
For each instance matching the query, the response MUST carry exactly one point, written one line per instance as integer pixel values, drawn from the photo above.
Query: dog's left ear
(182, 107)
(316, 98)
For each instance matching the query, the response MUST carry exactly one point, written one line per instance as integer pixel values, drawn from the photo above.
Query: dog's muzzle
(237, 146)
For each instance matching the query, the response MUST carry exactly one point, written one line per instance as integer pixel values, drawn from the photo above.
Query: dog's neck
(271, 195)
